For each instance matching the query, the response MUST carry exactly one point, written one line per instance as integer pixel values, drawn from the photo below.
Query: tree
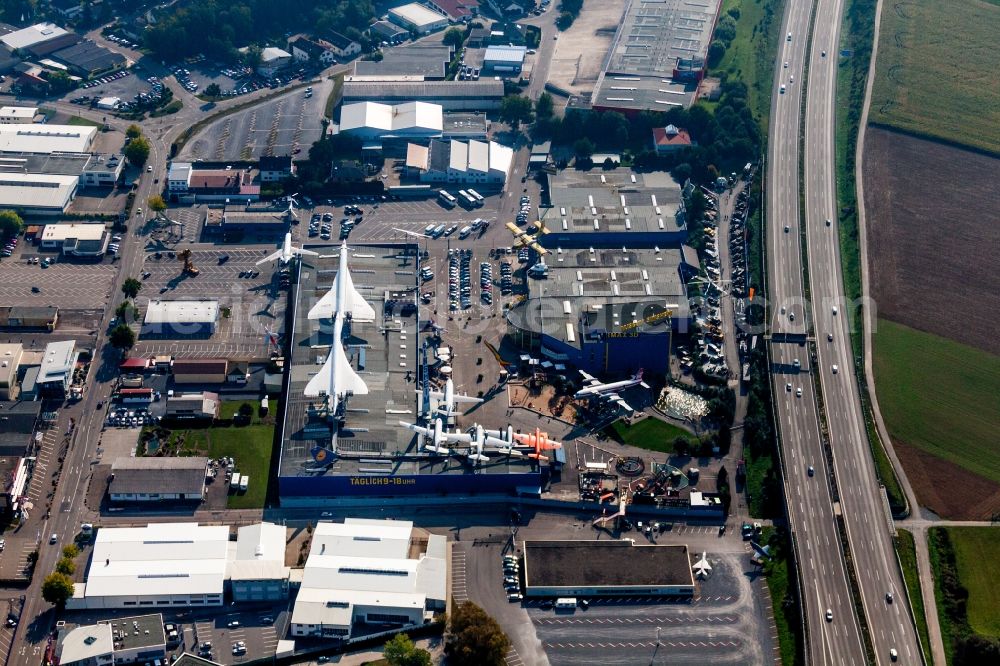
(131, 288)
(71, 551)
(57, 588)
(137, 151)
(515, 109)
(543, 107)
(474, 638)
(60, 82)
(122, 337)
(133, 131)
(213, 90)
(400, 651)
(10, 223)
(716, 50)
(156, 203)
(583, 148)
(454, 37)
(66, 566)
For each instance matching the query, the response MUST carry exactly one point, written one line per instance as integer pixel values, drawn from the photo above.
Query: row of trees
(57, 587)
(217, 28)
(122, 336)
(11, 224)
(473, 639)
(137, 149)
(569, 10)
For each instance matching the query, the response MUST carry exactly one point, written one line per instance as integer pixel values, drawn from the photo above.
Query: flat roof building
(199, 370)
(27, 317)
(162, 564)
(118, 641)
(10, 362)
(159, 479)
(365, 574)
(18, 114)
(58, 363)
(258, 572)
(605, 310)
(409, 62)
(19, 138)
(504, 60)
(482, 95)
(37, 194)
(417, 18)
(657, 56)
(203, 406)
(180, 318)
(32, 35)
(80, 240)
(606, 568)
(87, 59)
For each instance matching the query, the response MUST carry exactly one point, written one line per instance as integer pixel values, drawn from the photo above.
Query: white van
(566, 602)
(465, 231)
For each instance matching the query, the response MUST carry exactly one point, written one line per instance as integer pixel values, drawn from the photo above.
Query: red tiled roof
(456, 9)
(661, 138)
(133, 363)
(215, 178)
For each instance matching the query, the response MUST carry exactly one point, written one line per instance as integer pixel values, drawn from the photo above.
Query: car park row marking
(512, 658)
(458, 582)
(644, 644)
(713, 619)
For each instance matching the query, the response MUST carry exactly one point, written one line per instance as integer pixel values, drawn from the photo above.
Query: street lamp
(656, 648)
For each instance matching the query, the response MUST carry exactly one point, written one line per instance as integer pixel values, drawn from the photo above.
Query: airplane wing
(614, 397)
(460, 437)
(270, 257)
(426, 432)
(336, 376)
(356, 303)
(437, 395)
(589, 379)
(302, 252)
(468, 399)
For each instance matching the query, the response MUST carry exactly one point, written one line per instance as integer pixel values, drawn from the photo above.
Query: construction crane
(189, 267)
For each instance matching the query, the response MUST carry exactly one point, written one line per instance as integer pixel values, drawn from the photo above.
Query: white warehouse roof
(181, 312)
(83, 231)
(360, 537)
(20, 138)
(504, 54)
(408, 118)
(272, 53)
(262, 541)
(32, 190)
(33, 34)
(22, 112)
(418, 15)
(58, 361)
(160, 559)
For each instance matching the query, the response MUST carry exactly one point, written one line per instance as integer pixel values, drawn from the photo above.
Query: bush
(57, 588)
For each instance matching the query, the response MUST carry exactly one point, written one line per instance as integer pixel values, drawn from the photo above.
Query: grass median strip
(907, 553)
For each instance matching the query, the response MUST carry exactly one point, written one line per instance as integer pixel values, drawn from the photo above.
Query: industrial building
(417, 18)
(258, 572)
(657, 56)
(504, 60)
(46, 139)
(361, 452)
(231, 223)
(455, 10)
(119, 641)
(190, 185)
(78, 240)
(180, 318)
(18, 115)
(56, 372)
(36, 194)
(162, 564)
(606, 568)
(33, 35)
(606, 311)
(199, 370)
(616, 208)
(29, 317)
(464, 162)
(365, 574)
(87, 59)
(410, 62)
(388, 33)
(371, 121)
(159, 479)
(483, 95)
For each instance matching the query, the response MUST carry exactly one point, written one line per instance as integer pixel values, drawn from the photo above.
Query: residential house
(343, 47)
(275, 168)
(304, 49)
(670, 138)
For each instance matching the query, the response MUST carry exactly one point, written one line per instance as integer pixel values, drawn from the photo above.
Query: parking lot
(285, 125)
(256, 305)
(724, 623)
(66, 284)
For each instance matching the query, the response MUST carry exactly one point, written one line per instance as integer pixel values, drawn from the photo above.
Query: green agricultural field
(977, 549)
(652, 434)
(937, 70)
(939, 396)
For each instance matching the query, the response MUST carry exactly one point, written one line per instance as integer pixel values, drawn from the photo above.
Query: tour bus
(446, 199)
(566, 602)
(477, 196)
(466, 199)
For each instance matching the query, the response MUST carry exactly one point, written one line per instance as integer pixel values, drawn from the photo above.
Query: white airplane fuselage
(607, 388)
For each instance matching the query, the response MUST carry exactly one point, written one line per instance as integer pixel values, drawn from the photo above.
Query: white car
(829, 613)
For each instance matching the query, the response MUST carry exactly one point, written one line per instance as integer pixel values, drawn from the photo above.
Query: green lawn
(228, 409)
(977, 550)
(250, 447)
(936, 73)
(908, 560)
(83, 122)
(652, 434)
(939, 396)
(786, 618)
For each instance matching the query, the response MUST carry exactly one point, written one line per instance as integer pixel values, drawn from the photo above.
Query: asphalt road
(822, 570)
(869, 525)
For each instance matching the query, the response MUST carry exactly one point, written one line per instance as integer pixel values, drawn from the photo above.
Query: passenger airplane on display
(596, 389)
(450, 399)
(288, 252)
(337, 378)
(344, 294)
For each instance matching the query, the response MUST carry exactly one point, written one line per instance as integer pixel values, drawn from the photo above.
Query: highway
(821, 566)
(868, 523)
